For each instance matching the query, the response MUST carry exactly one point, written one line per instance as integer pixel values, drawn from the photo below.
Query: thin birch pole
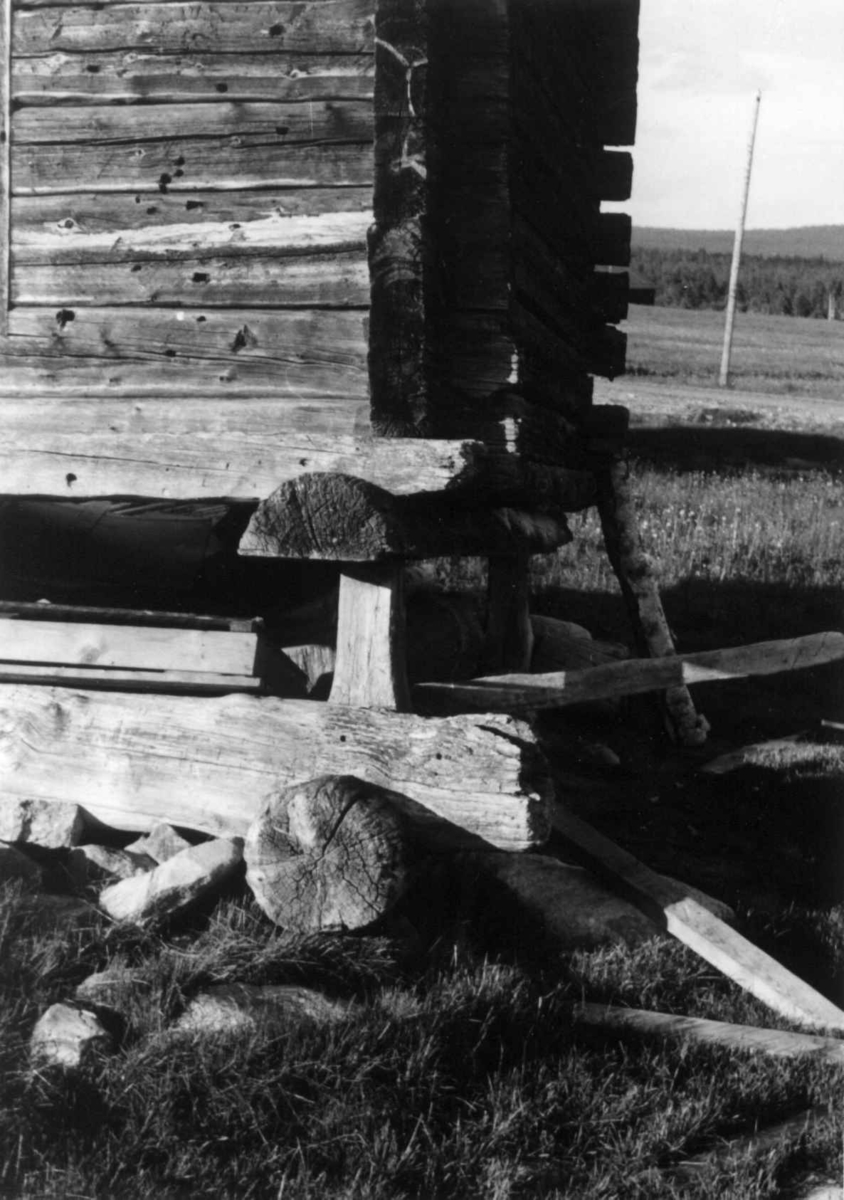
(724, 377)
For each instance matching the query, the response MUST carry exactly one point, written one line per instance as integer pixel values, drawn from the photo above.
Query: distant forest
(786, 285)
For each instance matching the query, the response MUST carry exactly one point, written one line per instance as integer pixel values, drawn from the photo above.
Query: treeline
(794, 287)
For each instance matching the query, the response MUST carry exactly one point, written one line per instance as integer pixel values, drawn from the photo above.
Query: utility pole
(724, 378)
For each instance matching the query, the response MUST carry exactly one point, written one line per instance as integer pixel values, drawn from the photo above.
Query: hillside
(809, 241)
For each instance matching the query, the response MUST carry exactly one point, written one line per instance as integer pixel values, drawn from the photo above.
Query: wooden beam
(208, 764)
(776, 1043)
(727, 1155)
(633, 676)
(181, 683)
(346, 519)
(509, 634)
(670, 907)
(637, 580)
(370, 667)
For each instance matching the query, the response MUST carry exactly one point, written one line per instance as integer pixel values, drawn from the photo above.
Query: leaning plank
(131, 760)
(776, 1043)
(514, 693)
(347, 519)
(135, 648)
(727, 1155)
(668, 904)
(753, 755)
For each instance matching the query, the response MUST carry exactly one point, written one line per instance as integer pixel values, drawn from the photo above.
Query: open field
(781, 355)
(459, 1072)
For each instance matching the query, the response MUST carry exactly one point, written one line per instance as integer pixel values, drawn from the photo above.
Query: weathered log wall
(191, 188)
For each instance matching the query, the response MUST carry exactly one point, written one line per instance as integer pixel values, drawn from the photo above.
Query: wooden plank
(35, 611)
(515, 693)
(672, 909)
(275, 236)
(776, 1043)
(95, 214)
(752, 755)
(222, 26)
(232, 163)
(727, 1155)
(66, 462)
(204, 683)
(132, 760)
(370, 665)
(130, 647)
(329, 280)
(254, 122)
(141, 76)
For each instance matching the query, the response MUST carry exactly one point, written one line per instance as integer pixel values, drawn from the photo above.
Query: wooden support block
(633, 676)
(370, 668)
(208, 764)
(670, 907)
(509, 634)
(637, 581)
(776, 1043)
(345, 519)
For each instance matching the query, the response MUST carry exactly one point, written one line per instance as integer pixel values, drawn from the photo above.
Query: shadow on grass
(731, 447)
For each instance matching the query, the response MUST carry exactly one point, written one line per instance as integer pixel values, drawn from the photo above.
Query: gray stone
(114, 988)
(14, 865)
(48, 823)
(67, 1036)
(96, 864)
(179, 881)
(162, 842)
(246, 1008)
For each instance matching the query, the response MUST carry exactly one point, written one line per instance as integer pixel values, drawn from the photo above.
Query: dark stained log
(609, 294)
(132, 77)
(370, 668)
(400, 250)
(315, 27)
(509, 634)
(637, 580)
(126, 758)
(208, 162)
(341, 518)
(613, 175)
(91, 214)
(611, 240)
(332, 853)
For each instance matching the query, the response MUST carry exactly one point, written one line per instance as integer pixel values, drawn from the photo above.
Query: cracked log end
(331, 853)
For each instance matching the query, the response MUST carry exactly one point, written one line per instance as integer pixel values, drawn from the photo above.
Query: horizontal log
(270, 236)
(94, 214)
(515, 693)
(133, 760)
(171, 465)
(224, 27)
(474, 352)
(775, 1043)
(141, 76)
(267, 124)
(611, 240)
(667, 903)
(231, 163)
(342, 518)
(248, 281)
(135, 648)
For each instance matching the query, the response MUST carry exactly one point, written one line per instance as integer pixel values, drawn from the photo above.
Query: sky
(701, 62)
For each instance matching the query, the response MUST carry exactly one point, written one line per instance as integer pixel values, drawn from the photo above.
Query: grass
(459, 1074)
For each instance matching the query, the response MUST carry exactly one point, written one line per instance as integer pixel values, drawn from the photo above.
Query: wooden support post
(370, 669)
(635, 575)
(509, 634)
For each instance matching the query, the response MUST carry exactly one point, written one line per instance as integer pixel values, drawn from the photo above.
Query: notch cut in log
(633, 676)
(208, 764)
(775, 1043)
(344, 519)
(671, 908)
